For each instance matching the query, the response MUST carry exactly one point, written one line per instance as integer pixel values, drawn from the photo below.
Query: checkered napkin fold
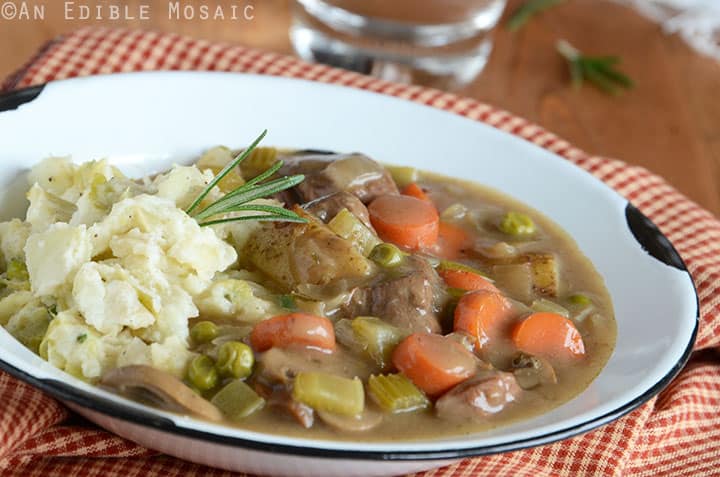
(676, 433)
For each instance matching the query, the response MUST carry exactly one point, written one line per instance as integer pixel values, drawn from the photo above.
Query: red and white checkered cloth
(676, 433)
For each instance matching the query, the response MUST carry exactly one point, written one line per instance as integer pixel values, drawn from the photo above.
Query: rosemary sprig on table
(528, 10)
(598, 70)
(239, 200)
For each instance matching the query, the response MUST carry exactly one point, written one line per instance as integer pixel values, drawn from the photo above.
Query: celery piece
(403, 175)
(258, 161)
(377, 338)
(460, 267)
(29, 326)
(326, 392)
(237, 400)
(580, 300)
(396, 393)
(348, 226)
(542, 304)
(216, 159)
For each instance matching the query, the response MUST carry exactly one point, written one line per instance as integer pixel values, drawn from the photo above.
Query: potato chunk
(55, 255)
(539, 270)
(292, 254)
(544, 273)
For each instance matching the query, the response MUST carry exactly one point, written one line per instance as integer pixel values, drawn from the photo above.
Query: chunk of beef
(302, 413)
(327, 174)
(325, 208)
(287, 197)
(409, 301)
(277, 369)
(488, 393)
(280, 397)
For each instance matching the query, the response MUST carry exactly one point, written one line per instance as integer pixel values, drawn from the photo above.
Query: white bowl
(145, 121)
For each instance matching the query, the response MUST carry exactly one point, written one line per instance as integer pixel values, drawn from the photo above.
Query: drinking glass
(441, 43)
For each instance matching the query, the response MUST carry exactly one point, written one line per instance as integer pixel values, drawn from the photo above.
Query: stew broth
(305, 293)
(577, 275)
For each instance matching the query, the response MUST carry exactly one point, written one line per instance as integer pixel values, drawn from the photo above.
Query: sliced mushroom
(485, 394)
(161, 389)
(362, 422)
(326, 174)
(280, 366)
(533, 371)
(467, 341)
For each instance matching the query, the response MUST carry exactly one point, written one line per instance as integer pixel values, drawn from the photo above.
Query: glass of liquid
(440, 43)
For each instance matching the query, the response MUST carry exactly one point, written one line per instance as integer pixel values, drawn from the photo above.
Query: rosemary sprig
(233, 201)
(598, 70)
(228, 167)
(238, 200)
(259, 217)
(528, 10)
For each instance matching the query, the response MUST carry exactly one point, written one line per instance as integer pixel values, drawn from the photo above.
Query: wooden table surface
(670, 122)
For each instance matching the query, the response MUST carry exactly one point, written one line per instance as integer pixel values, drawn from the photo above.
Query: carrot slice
(548, 334)
(301, 329)
(414, 190)
(482, 314)
(433, 362)
(406, 221)
(452, 240)
(466, 280)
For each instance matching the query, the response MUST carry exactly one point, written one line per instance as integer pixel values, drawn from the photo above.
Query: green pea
(580, 299)
(387, 255)
(204, 332)
(235, 360)
(202, 373)
(517, 223)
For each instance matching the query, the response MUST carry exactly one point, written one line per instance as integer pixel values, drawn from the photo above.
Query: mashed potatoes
(106, 271)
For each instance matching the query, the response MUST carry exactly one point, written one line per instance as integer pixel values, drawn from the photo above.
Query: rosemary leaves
(241, 199)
